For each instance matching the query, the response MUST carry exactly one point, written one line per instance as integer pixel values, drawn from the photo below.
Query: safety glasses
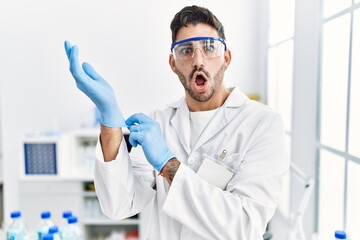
(210, 47)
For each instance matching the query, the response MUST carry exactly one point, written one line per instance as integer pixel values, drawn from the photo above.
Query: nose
(198, 58)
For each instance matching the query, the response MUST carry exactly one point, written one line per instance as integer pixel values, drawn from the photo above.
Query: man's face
(201, 77)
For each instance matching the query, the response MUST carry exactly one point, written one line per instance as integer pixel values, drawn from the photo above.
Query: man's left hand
(147, 133)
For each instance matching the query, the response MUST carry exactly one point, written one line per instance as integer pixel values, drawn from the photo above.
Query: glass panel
(285, 80)
(334, 6)
(353, 200)
(280, 81)
(354, 127)
(272, 78)
(331, 194)
(281, 20)
(334, 81)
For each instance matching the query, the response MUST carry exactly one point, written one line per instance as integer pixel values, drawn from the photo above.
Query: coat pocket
(215, 172)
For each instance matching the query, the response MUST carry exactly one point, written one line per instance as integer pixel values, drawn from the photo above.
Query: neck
(216, 101)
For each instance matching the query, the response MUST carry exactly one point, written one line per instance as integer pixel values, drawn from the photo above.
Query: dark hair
(194, 15)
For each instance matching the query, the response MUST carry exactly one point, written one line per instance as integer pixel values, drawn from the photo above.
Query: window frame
(320, 146)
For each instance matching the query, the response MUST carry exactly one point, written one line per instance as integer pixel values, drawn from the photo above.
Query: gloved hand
(96, 88)
(147, 133)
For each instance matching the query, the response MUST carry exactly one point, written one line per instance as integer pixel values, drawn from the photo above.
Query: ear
(172, 62)
(227, 57)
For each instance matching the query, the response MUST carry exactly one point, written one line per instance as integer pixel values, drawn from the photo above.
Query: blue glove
(147, 133)
(96, 88)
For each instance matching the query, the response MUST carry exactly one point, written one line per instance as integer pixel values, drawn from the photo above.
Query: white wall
(127, 42)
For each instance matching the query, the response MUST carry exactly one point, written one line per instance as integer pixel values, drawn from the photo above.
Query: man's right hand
(96, 88)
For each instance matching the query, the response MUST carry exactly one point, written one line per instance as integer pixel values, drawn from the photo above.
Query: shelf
(86, 132)
(107, 222)
(73, 187)
(56, 178)
(89, 194)
(93, 132)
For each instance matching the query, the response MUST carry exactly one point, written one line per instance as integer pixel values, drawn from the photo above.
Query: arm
(123, 186)
(102, 95)
(121, 192)
(110, 140)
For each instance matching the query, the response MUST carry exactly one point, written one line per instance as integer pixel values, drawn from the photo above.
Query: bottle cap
(48, 237)
(340, 234)
(45, 214)
(53, 229)
(67, 214)
(72, 219)
(15, 214)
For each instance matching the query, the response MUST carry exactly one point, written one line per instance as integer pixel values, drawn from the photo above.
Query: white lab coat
(191, 208)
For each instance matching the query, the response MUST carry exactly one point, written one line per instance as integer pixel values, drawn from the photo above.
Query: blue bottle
(64, 223)
(48, 237)
(67, 214)
(16, 230)
(44, 225)
(54, 231)
(72, 230)
(340, 235)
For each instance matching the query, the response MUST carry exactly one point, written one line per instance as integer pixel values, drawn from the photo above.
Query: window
(335, 151)
(339, 120)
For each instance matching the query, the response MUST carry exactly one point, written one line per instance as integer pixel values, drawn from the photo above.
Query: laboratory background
(300, 57)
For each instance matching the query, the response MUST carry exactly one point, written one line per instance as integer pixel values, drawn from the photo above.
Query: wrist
(166, 156)
(169, 170)
(113, 119)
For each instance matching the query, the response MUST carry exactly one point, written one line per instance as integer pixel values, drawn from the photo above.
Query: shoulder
(263, 117)
(168, 111)
(249, 109)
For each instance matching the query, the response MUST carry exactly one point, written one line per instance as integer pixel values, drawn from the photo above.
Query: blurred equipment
(41, 154)
(296, 230)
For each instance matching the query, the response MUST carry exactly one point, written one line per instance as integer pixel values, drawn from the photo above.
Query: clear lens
(209, 48)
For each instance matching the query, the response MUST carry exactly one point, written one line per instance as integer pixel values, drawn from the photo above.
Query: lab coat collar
(236, 98)
(181, 123)
(181, 119)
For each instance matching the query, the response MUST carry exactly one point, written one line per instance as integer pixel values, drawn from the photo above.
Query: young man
(211, 163)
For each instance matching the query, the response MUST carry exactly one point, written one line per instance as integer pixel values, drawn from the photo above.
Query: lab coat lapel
(222, 117)
(181, 124)
(218, 122)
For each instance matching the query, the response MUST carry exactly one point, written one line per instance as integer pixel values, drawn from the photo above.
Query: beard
(203, 96)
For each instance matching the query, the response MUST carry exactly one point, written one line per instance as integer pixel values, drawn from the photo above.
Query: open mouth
(200, 80)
